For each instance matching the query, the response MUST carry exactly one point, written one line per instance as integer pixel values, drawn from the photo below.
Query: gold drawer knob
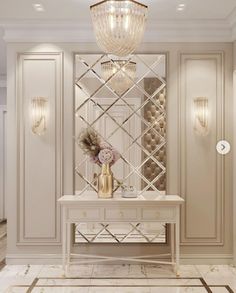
(121, 214)
(84, 214)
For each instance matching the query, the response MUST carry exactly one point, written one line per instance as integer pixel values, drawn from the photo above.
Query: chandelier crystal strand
(119, 25)
(120, 83)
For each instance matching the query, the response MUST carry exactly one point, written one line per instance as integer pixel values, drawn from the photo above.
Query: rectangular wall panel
(3, 113)
(39, 156)
(202, 168)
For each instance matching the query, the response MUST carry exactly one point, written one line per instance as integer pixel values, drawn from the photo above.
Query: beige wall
(3, 115)
(202, 183)
(3, 96)
(234, 54)
(220, 219)
(39, 157)
(234, 134)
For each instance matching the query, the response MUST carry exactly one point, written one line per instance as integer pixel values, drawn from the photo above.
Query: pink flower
(105, 156)
(109, 155)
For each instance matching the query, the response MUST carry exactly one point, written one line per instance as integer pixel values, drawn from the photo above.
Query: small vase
(105, 182)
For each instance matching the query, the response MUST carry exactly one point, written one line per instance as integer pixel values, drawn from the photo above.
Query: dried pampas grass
(89, 141)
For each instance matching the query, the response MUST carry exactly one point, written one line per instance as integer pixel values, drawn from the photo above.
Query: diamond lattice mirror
(124, 101)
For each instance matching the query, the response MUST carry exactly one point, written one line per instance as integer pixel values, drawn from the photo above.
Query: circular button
(223, 147)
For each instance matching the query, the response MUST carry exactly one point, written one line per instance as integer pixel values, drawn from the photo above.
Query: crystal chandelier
(119, 25)
(124, 73)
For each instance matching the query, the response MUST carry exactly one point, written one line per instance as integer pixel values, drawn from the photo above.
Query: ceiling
(217, 14)
(78, 10)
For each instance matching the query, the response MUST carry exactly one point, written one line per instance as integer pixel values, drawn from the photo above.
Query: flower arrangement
(100, 152)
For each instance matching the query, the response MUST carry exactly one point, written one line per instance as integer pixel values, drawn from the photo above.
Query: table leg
(177, 240)
(172, 243)
(68, 241)
(64, 233)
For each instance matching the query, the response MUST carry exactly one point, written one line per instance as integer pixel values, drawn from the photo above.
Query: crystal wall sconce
(39, 113)
(201, 116)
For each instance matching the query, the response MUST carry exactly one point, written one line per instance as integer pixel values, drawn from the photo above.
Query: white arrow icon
(223, 147)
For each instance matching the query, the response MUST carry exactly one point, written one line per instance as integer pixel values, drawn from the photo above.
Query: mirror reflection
(124, 101)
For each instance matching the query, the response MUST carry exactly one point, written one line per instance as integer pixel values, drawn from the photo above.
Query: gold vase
(105, 182)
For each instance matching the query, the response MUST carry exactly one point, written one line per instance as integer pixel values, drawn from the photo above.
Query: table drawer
(121, 213)
(160, 213)
(89, 214)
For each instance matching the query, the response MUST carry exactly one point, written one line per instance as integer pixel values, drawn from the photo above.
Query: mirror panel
(124, 101)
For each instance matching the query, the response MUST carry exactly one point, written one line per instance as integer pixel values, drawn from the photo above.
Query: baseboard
(186, 259)
(33, 259)
(209, 259)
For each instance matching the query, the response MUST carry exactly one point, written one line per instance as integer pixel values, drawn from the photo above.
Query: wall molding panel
(39, 158)
(202, 180)
(3, 112)
(46, 69)
(234, 161)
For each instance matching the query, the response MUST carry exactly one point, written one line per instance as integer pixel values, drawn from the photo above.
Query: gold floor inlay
(45, 285)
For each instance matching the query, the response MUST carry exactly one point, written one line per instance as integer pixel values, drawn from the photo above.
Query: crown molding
(189, 31)
(161, 31)
(234, 32)
(38, 35)
(231, 19)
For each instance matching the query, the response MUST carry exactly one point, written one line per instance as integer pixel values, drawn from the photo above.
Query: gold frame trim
(101, 2)
(126, 62)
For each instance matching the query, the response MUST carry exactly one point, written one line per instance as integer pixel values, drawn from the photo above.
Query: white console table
(145, 208)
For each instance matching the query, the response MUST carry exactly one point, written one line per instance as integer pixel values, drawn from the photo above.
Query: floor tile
(120, 290)
(167, 271)
(64, 282)
(17, 290)
(159, 270)
(136, 271)
(189, 271)
(175, 282)
(216, 271)
(120, 281)
(60, 290)
(178, 290)
(21, 270)
(116, 278)
(110, 270)
(7, 282)
(218, 280)
(219, 290)
(55, 271)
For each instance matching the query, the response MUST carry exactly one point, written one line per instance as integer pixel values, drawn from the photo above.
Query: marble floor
(117, 278)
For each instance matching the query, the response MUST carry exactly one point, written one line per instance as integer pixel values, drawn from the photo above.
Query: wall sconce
(201, 116)
(39, 113)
